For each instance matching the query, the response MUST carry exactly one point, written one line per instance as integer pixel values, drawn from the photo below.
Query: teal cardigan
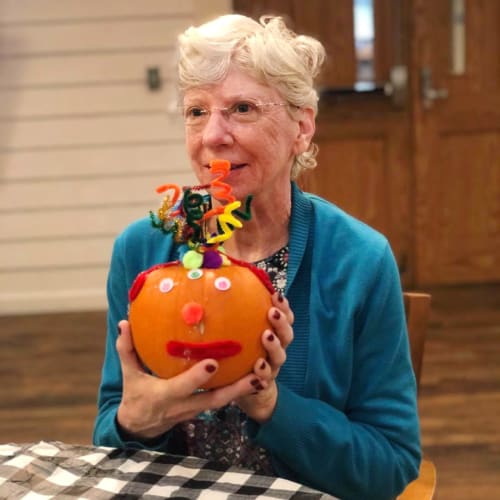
(346, 418)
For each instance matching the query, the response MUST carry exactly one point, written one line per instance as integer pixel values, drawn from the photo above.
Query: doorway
(416, 154)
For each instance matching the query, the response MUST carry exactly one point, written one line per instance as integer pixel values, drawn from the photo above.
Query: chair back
(417, 308)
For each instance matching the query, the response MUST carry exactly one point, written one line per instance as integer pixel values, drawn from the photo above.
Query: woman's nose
(217, 130)
(192, 313)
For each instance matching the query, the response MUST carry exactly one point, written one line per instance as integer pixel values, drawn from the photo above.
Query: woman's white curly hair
(266, 50)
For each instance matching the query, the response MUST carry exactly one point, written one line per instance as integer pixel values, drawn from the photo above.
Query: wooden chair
(417, 307)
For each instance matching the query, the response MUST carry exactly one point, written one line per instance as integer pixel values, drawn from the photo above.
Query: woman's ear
(307, 127)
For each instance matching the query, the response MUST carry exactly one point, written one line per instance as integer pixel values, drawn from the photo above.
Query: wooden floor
(50, 367)
(460, 393)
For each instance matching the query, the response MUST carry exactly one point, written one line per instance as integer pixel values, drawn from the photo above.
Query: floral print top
(220, 435)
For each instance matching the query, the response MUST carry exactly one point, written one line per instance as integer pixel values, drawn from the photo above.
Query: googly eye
(222, 283)
(166, 285)
(195, 274)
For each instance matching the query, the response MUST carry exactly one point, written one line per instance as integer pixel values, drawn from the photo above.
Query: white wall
(83, 142)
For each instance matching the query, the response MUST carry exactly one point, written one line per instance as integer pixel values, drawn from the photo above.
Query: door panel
(331, 22)
(457, 155)
(356, 157)
(364, 140)
(363, 167)
(428, 177)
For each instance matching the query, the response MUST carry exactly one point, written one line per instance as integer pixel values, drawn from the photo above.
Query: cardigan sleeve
(368, 447)
(120, 276)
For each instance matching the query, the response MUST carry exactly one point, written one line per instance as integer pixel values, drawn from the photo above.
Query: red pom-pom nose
(192, 313)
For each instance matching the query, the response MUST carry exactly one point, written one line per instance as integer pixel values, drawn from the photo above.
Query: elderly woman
(333, 404)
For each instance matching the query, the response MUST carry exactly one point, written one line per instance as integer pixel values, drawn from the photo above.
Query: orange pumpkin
(179, 316)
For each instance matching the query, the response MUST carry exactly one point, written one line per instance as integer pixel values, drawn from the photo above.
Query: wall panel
(104, 191)
(15, 11)
(62, 102)
(53, 290)
(83, 141)
(90, 36)
(63, 70)
(56, 253)
(464, 200)
(88, 131)
(107, 160)
(80, 222)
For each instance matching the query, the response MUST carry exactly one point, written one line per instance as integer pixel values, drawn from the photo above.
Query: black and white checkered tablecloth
(48, 470)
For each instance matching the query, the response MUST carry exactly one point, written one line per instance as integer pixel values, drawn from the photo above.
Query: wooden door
(363, 167)
(457, 145)
(364, 138)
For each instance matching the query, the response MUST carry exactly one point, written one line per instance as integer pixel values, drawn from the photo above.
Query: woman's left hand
(260, 405)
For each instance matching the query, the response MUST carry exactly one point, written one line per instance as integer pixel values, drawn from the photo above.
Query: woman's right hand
(151, 406)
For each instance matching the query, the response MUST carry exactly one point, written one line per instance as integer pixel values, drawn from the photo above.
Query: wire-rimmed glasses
(242, 112)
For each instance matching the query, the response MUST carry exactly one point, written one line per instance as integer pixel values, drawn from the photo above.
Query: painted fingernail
(280, 297)
(119, 329)
(259, 386)
(276, 314)
(263, 365)
(270, 337)
(255, 382)
(210, 368)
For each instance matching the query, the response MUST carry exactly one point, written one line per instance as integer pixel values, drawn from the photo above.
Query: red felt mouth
(203, 350)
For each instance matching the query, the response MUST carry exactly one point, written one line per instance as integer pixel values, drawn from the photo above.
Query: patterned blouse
(220, 435)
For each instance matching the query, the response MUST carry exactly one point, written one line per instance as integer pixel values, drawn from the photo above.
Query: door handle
(428, 92)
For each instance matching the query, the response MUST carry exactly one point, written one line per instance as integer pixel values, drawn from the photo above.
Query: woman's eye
(166, 285)
(243, 108)
(194, 112)
(222, 283)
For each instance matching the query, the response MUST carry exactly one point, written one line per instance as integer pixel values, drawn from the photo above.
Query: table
(53, 469)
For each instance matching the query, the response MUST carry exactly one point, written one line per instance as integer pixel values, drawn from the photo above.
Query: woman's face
(259, 141)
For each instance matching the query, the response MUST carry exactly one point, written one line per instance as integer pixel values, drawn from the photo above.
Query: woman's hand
(150, 406)
(261, 403)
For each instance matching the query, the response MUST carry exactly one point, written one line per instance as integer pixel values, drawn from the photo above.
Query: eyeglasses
(240, 112)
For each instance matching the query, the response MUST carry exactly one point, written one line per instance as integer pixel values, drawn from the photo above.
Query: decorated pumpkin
(205, 306)
(180, 316)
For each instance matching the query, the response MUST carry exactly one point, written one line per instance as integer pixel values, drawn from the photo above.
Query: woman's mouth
(234, 166)
(237, 166)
